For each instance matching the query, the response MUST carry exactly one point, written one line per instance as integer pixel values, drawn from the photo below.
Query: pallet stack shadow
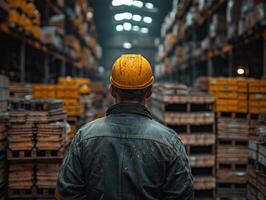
(257, 162)
(37, 141)
(192, 117)
(233, 127)
(4, 95)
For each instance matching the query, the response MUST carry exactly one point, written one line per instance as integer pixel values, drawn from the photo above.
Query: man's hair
(130, 94)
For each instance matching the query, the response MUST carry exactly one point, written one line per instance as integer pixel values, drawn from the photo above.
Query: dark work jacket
(125, 156)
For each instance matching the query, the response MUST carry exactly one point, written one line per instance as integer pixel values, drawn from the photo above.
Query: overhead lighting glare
(119, 27)
(136, 18)
(144, 30)
(123, 16)
(147, 20)
(117, 3)
(127, 45)
(135, 28)
(127, 2)
(240, 71)
(138, 4)
(127, 26)
(149, 5)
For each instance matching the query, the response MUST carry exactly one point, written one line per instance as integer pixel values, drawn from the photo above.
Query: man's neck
(142, 102)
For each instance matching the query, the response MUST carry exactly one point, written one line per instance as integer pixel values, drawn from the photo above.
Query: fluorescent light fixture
(89, 15)
(149, 5)
(119, 28)
(240, 71)
(147, 20)
(127, 26)
(127, 15)
(136, 18)
(144, 30)
(127, 2)
(117, 3)
(127, 45)
(119, 16)
(138, 4)
(123, 16)
(135, 28)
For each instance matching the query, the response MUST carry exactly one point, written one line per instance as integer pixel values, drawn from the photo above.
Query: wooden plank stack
(4, 95)
(257, 162)
(19, 91)
(37, 140)
(192, 117)
(238, 102)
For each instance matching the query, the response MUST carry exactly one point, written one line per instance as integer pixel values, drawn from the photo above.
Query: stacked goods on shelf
(53, 33)
(19, 91)
(3, 133)
(257, 162)
(202, 84)
(231, 94)
(257, 96)
(37, 140)
(44, 91)
(234, 124)
(192, 117)
(24, 16)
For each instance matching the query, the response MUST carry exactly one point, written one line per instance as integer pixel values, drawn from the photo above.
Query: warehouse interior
(209, 62)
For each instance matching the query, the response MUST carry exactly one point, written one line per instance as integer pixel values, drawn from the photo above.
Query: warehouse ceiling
(119, 20)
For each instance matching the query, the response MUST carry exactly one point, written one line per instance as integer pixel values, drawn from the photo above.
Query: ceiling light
(127, 2)
(127, 15)
(127, 45)
(127, 26)
(149, 5)
(144, 30)
(147, 20)
(138, 4)
(136, 18)
(89, 15)
(119, 27)
(135, 28)
(119, 16)
(117, 3)
(240, 71)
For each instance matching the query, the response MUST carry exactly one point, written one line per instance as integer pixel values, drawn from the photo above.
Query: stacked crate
(257, 162)
(257, 96)
(192, 117)
(233, 124)
(36, 136)
(4, 95)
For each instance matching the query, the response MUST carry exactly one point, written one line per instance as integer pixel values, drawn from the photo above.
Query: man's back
(126, 155)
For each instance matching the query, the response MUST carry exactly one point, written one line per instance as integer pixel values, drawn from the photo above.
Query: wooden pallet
(204, 182)
(237, 115)
(35, 154)
(230, 190)
(202, 160)
(201, 139)
(32, 193)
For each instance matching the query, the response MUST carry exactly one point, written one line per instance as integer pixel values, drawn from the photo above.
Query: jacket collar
(133, 108)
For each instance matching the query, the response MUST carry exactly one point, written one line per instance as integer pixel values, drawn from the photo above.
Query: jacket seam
(132, 137)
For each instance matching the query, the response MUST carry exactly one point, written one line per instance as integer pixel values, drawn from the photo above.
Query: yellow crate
(67, 94)
(258, 96)
(43, 87)
(231, 95)
(257, 110)
(233, 102)
(44, 94)
(242, 109)
(254, 103)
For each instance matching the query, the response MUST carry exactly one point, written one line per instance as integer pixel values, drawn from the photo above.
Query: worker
(126, 154)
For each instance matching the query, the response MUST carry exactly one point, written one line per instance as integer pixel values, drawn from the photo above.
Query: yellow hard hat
(131, 72)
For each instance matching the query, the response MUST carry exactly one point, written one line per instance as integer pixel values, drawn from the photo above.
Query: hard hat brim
(132, 87)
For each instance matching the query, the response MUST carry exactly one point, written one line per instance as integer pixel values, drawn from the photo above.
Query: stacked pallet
(192, 117)
(233, 126)
(257, 162)
(19, 91)
(257, 96)
(3, 133)
(36, 135)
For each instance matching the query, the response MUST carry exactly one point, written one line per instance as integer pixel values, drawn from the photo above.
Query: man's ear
(112, 92)
(149, 92)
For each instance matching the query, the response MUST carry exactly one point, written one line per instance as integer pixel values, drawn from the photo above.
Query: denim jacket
(125, 156)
